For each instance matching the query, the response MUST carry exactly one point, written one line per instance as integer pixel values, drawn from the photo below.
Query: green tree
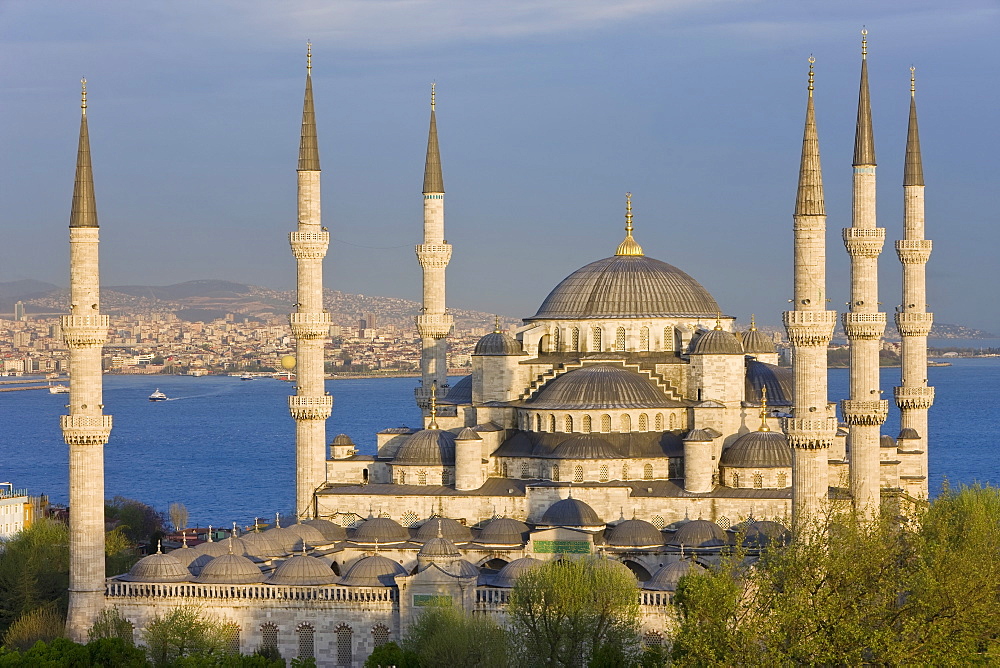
(139, 521)
(34, 571)
(111, 624)
(181, 632)
(392, 655)
(444, 635)
(572, 611)
(41, 624)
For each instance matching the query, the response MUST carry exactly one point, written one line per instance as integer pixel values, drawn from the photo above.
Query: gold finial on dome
(496, 324)
(434, 407)
(864, 42)
(83, 95)
(753, 323)
(763, 409)
(812, 74)
(629, 246)
(913, 81)
(718, 321)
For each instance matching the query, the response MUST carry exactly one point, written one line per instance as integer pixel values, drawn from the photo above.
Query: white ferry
(157, 396)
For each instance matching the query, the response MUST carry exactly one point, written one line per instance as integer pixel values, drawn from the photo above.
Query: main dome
(627, 286)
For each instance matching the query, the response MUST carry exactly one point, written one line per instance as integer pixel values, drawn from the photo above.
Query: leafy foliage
(111, 624)
(41, 624)
(391, 654)
(34, 571)
(140, 523)
(446, 636)
(183, 632)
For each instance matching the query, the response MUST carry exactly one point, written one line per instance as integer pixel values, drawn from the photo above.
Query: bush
(446, 636)
(111, 624)
(40, 624)
(183, 632)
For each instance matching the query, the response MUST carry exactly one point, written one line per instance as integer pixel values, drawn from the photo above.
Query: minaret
(86, 429)
(864, 325)
(433, 324)
(913, 396)
(811, 429)
(310, 406)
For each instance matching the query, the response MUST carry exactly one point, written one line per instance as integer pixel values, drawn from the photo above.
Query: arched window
(643, 422)
(644, 339)
(620, 339)
(568, 424)
(782, 479)
(626, 423)
(758, 481)
(647, 472)
(380, 635)
(578, 474)
(624, 471)
(652, 639)
(586, 424)
(604, 472)
(576, 339)
(231, 637)
(307, 645)
(524, 470)
(538, 423)
(552, 423)
(446, 477)
(597, 339)
(421, 477)
(736, 479)
(555, 340)
(503, 470)
(268, 636)
(668, 338)
(658, 422)
(555, 473)
(402, 477)
(673, 421)
(345, 649)
(606, 424)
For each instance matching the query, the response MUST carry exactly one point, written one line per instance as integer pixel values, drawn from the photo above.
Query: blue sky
(548, 111)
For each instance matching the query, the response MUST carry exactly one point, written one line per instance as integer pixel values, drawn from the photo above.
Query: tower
(811, 429)
(86, 429)
(433, 324)
(865, 410)
(913, 396)
(310, 406)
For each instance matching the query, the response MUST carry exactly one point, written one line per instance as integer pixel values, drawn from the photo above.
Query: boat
(59, 389)
(246, 376)
(157, 396)
(198, 373)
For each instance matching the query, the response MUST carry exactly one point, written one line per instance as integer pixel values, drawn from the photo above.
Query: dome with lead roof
(497, 344)
(758, 450)
(230, 569)
(666, 578)
(503, 531)
(427, 447)
(571, 513)
(451, 529)
(380, 530)
(302, 570)
(599, 386)
(699, 533)
(262, 546)
(717, 342)
(331, 531)
(157, 567)
(508, 575)
(633, 533)
(372, 571)
(310, 534)
(438, 547)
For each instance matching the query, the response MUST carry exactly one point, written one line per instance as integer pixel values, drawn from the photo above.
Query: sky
(548, 112)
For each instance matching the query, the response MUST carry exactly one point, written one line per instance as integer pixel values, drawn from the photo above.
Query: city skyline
(547, 113)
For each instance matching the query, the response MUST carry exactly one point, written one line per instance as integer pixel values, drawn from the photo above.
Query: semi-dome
(507, 577)
(427, 447)
(778, 381)
(585, 446)
(666, 578)
(302, 570)
(262, 546)
(633, 533)
(446, 527)
(372, 571)
(157, 567)
(717, 342)
(764, 533)
(571, 513)
(503, 531)
(380, 530)
(699, 533)
(627, 286)
(598, 386)
(230, 569)
(331, 531)
(758, 450)
(497, 344)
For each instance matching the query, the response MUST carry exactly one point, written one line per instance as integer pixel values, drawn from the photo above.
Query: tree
(391, 655)
(41, 624)
(111, 624)
(571, 611)
(181, 632)
(139, 522)
(179, 516)
(444, 635)
(34, 571)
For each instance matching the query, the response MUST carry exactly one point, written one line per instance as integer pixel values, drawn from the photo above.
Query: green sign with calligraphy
(562, 547)
(423, 600)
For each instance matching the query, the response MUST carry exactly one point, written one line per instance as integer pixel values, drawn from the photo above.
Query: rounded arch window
(644, 339)
(604, 473)
(586, 424)
(555, 473)
(578, 474)
(576, 339)
(597, 339)
(625, 472)
(555, 340)
(736, 479)
(620, 339)
(647, 472)
(552, 423)
(758, 481)
(568, 423)
(658, 422)
(626, 423)
(643, 422)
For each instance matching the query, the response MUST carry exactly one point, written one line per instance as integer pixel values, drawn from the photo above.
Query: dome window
(782, 479)
(625, 472)
(555, 340)
(626, 423)
(586, 424)
(578, 474)
(597, 339)
(620, 339)
(576, 339)
(524, 470)
(604, 473)
(736, 479)
(758, 481)
(552, 423)
(504, 471)
(446, 477)
(421, 477)
(673, 421)
(647, 472)
(568, 424)
(555, 473)
(643, 422)
(644, 339)
(668, 338)
(606, 424)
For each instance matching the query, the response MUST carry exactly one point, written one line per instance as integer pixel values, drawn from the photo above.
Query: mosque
(627, 417)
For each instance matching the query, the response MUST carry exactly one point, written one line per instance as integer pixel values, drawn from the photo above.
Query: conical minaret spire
(433, 324)
(810, 430)
(310, 406)
(86, 429)
(864, 325)
(913, 396)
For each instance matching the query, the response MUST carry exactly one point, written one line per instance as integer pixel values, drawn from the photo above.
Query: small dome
(230, 569)
(508, 575)
(597, 386)
(503, 531)
(439, 547)
(498, 343)
(717, 342)
(468, 434)
(372, 571)
(288, 540)
(764, 533)
(302, 570)
(463, 569)
(585, 446)
(886, 441)
(380, 530)
(331, 531)
(428, 447)
(616, 566)
(191, 559)
(755, 343)
(157, 567)
(634, 533)
(341, 439)
(758, 450)
(907, 432)
(451, 529)
(666, 578)
(571, 513)
(262, 546)
(310, 534)
(221, 547)
(699, 436)
(699, 533)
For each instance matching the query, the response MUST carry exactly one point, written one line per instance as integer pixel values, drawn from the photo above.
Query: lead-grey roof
(571, 513)
(433, 179)
(380, 530)
(372, 571)
(460, 393)
(778, 381)
(308, 143)
(448, 528)
(758, 450)
(508, 575)
(765, 532)
(913, 171)
(635, 445)
(755, 343)
(585, 446)
(627, 287)
(864, 141)
(230, 569)
(429, 447)
(717, 342)
(666, 578)
(498, 344)
(633, 533)
(84, 210)
(331, 531)
(503, 531)
(600, 386)
(157, 567)
(302, 570)
(699, 533)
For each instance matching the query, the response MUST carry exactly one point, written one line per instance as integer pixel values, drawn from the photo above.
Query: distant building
(19, 311)
(18, 510)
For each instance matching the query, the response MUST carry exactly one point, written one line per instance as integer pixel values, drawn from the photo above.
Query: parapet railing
(117, 589)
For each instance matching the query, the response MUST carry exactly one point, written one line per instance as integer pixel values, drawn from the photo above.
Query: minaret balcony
(914, 397)
(809, 433)
(85, 429)
(310, 325)
(914, 324)
(434, 325)
(434, 256)
(864, 326)
(809, 328)
(864, 412)
(864, 242)
(309, 245)
(85, 331)
(310, 408)
(913, 251)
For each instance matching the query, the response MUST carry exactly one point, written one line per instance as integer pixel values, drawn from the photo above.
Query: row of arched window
(604, 473)
(584, 424)
(305, 634)
(420, 478)
(576, 340)
(758, 480)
